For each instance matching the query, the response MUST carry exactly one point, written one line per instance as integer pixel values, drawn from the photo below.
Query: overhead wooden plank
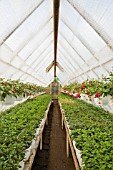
(56, 5)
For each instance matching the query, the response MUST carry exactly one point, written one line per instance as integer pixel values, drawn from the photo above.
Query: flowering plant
(6, 88)
(108, 85)
(78, 95)
(16, 88)
(94, 88)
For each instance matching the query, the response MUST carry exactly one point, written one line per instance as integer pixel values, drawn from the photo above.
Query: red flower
(28, 94)
(97, 95)
(78, 95)
(13, 91)
(83, 87)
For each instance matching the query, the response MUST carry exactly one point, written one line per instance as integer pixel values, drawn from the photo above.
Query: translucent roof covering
(85, 40)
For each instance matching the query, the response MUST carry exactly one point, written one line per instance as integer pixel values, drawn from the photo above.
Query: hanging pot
(83, 97)
(1, 104)
(92, 99)
(19, 98)
(96, 100)
(106, 100)
(111, 105)
(9, 100)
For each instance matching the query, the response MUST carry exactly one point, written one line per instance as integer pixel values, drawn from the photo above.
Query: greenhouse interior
(56, 84)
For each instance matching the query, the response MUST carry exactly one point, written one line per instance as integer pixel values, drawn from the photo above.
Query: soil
(53, 155)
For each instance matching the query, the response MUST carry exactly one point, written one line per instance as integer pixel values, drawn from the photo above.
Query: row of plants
(16, 88)
(17, 129)
(92, 130)
(94, 88)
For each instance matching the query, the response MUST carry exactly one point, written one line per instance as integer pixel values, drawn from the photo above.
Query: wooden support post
(62, 120)
(41, 141)
(47, 121)
(67, 145)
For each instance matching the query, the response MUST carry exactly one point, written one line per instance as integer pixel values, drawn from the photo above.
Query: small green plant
(92, 129)
(17, 129)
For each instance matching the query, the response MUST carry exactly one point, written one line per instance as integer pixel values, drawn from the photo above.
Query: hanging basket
(111, 105)
(92, 99)
(19, 98)
(96, 101)
(1, 104)
(83, 97)
(9, 100)
(106, 100)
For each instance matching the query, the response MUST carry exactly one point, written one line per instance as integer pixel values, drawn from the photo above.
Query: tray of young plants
(17, 129)
(92, 130)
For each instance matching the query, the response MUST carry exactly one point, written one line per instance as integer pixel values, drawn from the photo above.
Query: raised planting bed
(18, 129)
(92, 130)
(69, 143)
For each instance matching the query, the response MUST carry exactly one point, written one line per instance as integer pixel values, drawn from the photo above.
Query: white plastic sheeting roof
(85, 40)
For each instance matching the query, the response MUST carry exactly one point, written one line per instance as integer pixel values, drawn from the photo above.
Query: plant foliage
(92, 129)
(17, 129)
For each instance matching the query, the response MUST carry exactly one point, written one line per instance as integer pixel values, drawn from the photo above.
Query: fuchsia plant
(16, 88)
(94, 88)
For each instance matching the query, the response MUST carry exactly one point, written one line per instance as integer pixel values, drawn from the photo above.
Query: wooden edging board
(68, 141)
(29, 162)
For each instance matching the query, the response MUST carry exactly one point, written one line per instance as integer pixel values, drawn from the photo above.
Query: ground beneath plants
(53, 155)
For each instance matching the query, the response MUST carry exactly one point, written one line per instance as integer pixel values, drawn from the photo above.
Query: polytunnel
(56, 84)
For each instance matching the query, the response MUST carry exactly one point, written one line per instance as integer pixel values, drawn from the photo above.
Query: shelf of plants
(18, 128)
(99, 93)
(13, 92)
(92, 130)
